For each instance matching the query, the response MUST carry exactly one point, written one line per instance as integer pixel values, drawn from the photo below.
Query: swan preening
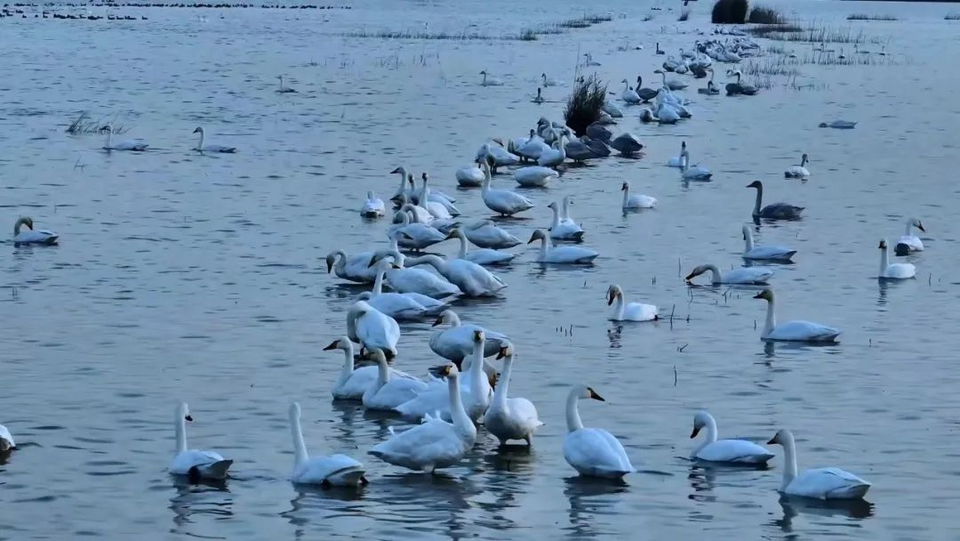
(210, 147)
(775, 211)
(910, 242)
(741, 276)
(736, 452)
(593, 452)
(193, 463)
(134, 145)
(334, 470)
(792, 331)
(6, 440)
(33, 236)
(819, 483)
(633, 311)
(764, 253)
(894, 271)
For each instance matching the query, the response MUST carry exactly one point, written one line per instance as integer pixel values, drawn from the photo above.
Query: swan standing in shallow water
(819, 483)
(455, 343)
(775, 211)
(373, 206)
(636, 201)
(624, 311)
(563, 229)
(910, 242)
(284, 89)
(792, 331)
(742, 275)
(134, 145)
(212, 147)
(510, 418)
(489, 81)
(764, 253)
(39, 236)
(386, 392)
(373, 329)
(334, 470)
(592, 451)
(483, 256)
(503, 202)
(894, 271)
(435, 443)
(193, 463)
(561, 254)
(798, 171)
(677, 161)
(6, 440)
(741, 452)
(353, 382)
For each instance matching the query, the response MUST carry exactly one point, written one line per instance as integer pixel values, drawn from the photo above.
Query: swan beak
(502, 352)
(610, 298)
(696, 430)
(395, 171)
(329, 266)
(196, 130)
(395, 266)
(882, 245)
(532, 238)
(189, 418)
(759, 296)
(439, 321)
(920, 227)
(772, 441)
(690, 276)
(334, 345)
(595, 396)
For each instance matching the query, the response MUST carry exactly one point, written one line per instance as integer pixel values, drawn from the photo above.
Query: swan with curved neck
(38, 236)
(910, 242)
(895, 271)
(792, 331)
(212, 147)
(636, 201)
(742, 275)
(774, 211)
(735, 452)
(766, 253)
(561, 254)
(592, 451)
(819, 483)
(193, 463)
(634, 311)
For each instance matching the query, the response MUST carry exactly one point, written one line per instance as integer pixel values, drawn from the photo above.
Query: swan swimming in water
(470, 177)
(6, 440)
(284, 89)
(589, 61)
(456, 342)
(629, 96)
(764, 253)
(792, 331)
(549, 81)
(798, 171)
(407, 306)
(352, 381)
(693, 172)
(38, 236)
(487, 234)
(334, 470)
(133, 145)
(894, 271)
(213, 148)
(563, 230)
(372, 207)
(737, 452)
(512, 418)
(677, 161)
(636, 201)
(483, 256)
(819, 483)
(633, 311)
(910, 242)
(489, 81)
(561, 254)
(775, 211)
(472, 279)
(193, 463)
(539, 97)
(386, 392)
(593, 452)
(404, 280)
(741, 276)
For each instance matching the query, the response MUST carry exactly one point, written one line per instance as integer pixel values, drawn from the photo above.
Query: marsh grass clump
(585, 104)
(782, 66)
(729, 12)
(812, 34)
(874, 17)
(765, 15)
(85, 125)
(528, 34)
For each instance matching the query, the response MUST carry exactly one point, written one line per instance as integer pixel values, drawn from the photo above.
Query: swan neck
(463, 244)
(748, 238)
(618, 308)
(299, 447)
(378, 282)
(477, 376)
(759, 201)
(459, 416)
(347, 369)
(884, 260)
(453, 319)
(771, 322)
(556, 217)
(383, 371)
(573, 412)
(544, 246)
(566, 209)
(715, 275)
(909, 229)
(626, 196)
(789, 461)
(500, 393)
(181, 427)
(200, 144)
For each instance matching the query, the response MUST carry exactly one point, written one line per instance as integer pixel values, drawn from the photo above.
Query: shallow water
(199, 278)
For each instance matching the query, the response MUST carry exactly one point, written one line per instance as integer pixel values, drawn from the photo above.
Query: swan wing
(433, 400)
(636, 311)
(394, 393)
(827, 483)
(900, 271)
(324, 469)
(397, 305)
(377, 330)
(803, 331)
(356, 384)
(489, 257)
(594, 451)
(38, 236)
(770, 252)
(912, 242)
(187, 460)
(570, 254)
(748, 275)
(734, 452)
(432, 444)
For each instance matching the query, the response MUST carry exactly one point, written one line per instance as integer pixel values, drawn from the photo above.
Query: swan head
(625, 186)
(484, 72)
(342, 343)
(823, 125)
(332, 260)
(804, 157)
(697, 271)
(402, 170)
(478, 336)
(506, 350)
(755, 184)
(913, 221)
(624, 81)
(360, 308)
(183, 410)
(701, 420)
(454, 233)
(537, 235)
(766, 294)
(658, 71)
(445, 317)
(498, 141)
(24, 220)
(883, 244)
(552, 205)
(445, 371)
(587, 392)
(783, 437)
(409, 181)
(106, 128)
(424, 176)
(198, 130)
(613, 293)
(294, 410)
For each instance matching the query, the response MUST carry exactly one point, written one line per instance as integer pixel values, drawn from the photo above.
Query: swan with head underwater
(133, 145)
(212, 148)
(798, 171)
(593, 452)
(632, 311)
(774, 211)
(353, 381)
(910, 242)
(792, 331)
(512, 418)
(734, 452)
(561, 254)
(819, 483)
(33, 236)
(764, 253)
(334, 470)
(894, 271)
(561, 229)
(738, 276)
(191, 462)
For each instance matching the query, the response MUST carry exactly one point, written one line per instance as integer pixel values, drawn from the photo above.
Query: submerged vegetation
(585, 104)
(526, 34)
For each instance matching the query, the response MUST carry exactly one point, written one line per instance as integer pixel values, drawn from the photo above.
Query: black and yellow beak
(696, 430)
(595, 396)
(189, 418)
(334, 345)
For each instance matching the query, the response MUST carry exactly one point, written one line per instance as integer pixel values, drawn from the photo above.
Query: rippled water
(199, 278)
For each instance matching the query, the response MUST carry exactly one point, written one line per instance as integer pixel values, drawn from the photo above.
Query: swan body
(353, 382)
(627, 144)
(636, 201)
(334, 470)
(611, 109)
(677, 161)
(33, 236)
(646, 94)
(400, 305)
(534, 177)
(538, 99)
(489, 81)
(404, 280)
(798, 171)
(549, 81)
(672, 84)
(894, 271)
(415, 235)
(593, 452)
(355, 268)
(472, 279)
(456, 342)
(133, 145)
(694, 172)
(633, 311)
(742, 275)
(194, 463)
(512, 418)
(435, 443)
(629, 96)
(563, 229)
(553, 156)
(532, 148)
(284, 89)
(839, 124)
(764, 253)
(503, 202)
(372, 328)
(387, 393)
(775, 211)
(6, 440)
(738, 452)
(561, 254)
(819, 483)
(483, 256)
(212, 148)
(792, 331)
(501, 157)
(439, 205)
(910, 242)
(470, 177)
(372, 207)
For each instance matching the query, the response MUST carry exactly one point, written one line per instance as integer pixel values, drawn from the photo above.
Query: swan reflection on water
(589, 497)
(203, 497)
(793, 507)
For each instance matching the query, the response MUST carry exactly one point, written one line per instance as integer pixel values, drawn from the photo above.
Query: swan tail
(215, 470)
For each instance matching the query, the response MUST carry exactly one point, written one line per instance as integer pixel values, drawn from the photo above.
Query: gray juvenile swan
(776, 211)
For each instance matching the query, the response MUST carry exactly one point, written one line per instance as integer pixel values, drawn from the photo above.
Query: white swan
(470, 177)
(435, 443)
(549, 81)
(193, 463)
(592, 451)
(764, 253)
(532, 147)
(742, 275)
(212, 147)
(405, 188)
(501, 157)
(556, 154)
(404, 280)
(677, 161)
(6, 440)
(725, 451)
(672, 84)
(489, 81)
(611, 109)
(135, 145)
(437, 205)
(798, 171)
(456, 343)
(355, 268)
(792, 331)
(372, 207)
(563, 229)
(284, 89)
(535, 176)
(38, 236)
(373, 329)
(636, 201)
(629, 95)
(894, 271)
(414, 235)
(387, 393)
(353, 382)
(910, 242)
(400, 305)
(567, 202)
(486, 234)
(693, 172)
(472, 279)
(334, 470)
(820, 483)
(483, 256)
(634, 311)
(503, 202)
(589, 61)
(510, 418)
(561, 254)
